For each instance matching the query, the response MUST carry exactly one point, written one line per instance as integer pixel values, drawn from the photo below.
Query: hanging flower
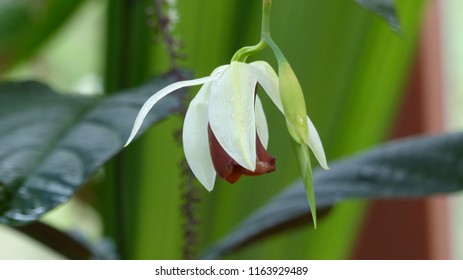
(225, 131)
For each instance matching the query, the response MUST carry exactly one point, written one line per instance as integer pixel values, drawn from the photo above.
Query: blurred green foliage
(26, 25)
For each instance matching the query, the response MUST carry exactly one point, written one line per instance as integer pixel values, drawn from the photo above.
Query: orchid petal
(268, 79)
(261, 123)
(195, 140)
(315, 145)
(231, 113)
(158, 96)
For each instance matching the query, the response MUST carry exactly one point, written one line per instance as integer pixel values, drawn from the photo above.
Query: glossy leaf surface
(51, 144)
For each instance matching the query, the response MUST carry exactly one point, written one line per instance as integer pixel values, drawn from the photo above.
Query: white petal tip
(208, 187)
(128, 141)
(322, 161)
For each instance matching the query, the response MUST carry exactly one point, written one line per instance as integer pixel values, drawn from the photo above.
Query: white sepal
(315, 145)
(261, 123)
(158, 96)
(195, 140)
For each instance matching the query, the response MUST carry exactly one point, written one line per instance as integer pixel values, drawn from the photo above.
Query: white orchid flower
(225, 131)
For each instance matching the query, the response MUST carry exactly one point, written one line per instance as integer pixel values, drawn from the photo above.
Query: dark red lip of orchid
(228, 169)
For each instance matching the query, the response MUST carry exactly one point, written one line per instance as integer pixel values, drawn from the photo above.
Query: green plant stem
(127, 51)
(266, 39)
(305, 169)
(266, 8)
(276, 50)
(243, 53)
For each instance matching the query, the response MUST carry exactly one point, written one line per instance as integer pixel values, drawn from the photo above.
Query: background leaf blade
(52, 143)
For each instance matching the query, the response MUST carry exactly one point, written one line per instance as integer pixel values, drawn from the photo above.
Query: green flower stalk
(299, 126)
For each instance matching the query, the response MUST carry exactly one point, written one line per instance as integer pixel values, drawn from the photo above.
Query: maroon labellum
(228, 169)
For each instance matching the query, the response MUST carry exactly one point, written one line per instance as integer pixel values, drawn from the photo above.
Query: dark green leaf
(402, 169)
(50, 144)
(384, 8)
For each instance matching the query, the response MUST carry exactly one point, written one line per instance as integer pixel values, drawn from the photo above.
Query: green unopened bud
(293, 103)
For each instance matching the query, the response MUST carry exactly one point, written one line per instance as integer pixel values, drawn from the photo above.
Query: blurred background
(364, 85)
